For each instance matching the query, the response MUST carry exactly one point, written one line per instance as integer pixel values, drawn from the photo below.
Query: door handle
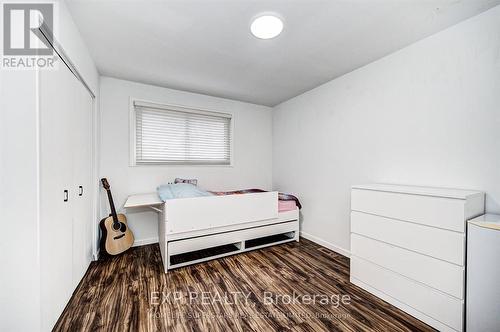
(80, 190)
(66, 195)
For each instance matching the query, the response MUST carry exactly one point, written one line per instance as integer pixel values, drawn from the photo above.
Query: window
(165, 134)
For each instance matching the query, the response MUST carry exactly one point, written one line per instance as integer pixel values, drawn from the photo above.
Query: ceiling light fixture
(266, 26)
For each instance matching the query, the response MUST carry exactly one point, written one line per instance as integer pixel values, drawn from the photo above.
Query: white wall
(252, 149)
(68, 35)
(19, 194)
(428, 114)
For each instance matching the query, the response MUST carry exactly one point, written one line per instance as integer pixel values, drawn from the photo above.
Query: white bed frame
(191, 224)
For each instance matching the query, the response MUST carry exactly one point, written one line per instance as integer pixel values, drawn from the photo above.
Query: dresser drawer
(447, 213)
(437, 305)
(438, 243)
(438, 274)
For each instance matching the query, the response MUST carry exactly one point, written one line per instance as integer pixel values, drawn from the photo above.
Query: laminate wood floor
(253, 291)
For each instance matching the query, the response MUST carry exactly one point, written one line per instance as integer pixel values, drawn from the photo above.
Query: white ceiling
(205, 46)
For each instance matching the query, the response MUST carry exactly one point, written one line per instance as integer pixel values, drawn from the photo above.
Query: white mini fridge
(483, 274)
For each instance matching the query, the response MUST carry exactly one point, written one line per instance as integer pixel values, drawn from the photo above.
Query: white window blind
(177, 135)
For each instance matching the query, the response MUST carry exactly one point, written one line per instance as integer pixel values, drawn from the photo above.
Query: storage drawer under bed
(209, 241)
(201, 248)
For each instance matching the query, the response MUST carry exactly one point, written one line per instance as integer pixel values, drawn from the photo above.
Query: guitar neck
(112, 206)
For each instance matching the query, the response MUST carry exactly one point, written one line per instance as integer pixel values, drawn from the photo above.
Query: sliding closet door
(56, 225)
(65, 233)
(82, 173)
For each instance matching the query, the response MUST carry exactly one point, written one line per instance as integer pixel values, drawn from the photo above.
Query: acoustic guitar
(116, 237)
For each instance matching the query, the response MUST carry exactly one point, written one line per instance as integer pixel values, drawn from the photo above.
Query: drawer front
(208, 241)
(441, 307)
(438, 243)
(438, 274)
(447, 213)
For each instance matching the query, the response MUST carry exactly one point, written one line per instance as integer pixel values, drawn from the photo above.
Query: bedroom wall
(428, 114)
(252, 150)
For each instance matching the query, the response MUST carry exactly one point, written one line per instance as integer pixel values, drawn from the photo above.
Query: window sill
(181, 165)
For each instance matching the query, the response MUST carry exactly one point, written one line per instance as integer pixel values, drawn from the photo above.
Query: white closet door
(82, 173)
(61, 134)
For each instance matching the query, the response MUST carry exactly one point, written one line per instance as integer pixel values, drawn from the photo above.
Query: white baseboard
(143, 242)
(326, 244)
(137, 243)
(96, 256)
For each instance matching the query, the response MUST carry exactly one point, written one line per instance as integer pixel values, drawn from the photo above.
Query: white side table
(483, 274)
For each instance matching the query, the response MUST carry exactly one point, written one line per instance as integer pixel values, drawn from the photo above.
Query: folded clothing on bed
(180, 190)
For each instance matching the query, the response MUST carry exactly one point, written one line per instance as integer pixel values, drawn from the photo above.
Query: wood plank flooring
(247, 292)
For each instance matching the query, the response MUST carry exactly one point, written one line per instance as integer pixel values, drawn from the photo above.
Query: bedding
(284, 206)
(180, 190)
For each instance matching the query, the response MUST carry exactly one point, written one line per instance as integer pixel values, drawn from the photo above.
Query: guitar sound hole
(117, 226)
(123, 227)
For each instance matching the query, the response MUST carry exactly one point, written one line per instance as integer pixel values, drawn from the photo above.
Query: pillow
(194, 182)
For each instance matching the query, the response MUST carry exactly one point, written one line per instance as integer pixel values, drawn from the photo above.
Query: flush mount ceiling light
(266, 26)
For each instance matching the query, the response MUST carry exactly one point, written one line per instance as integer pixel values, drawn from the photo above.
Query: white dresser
(408, 248)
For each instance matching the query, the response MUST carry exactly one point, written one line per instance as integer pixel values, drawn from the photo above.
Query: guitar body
(115, 241)
(116, 237)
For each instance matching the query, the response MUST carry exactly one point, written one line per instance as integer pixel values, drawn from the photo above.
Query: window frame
(182, 108)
